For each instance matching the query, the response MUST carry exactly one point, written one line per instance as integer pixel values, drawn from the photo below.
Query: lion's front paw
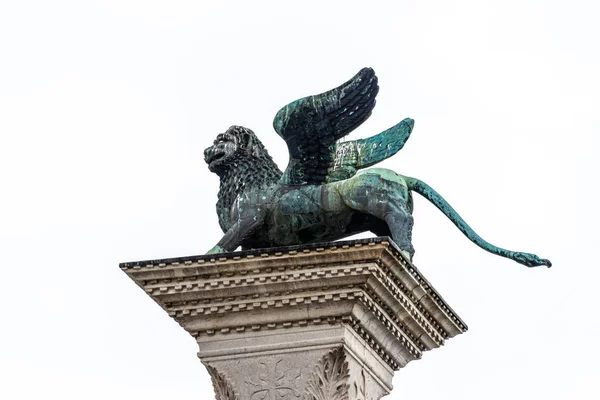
(216, 250)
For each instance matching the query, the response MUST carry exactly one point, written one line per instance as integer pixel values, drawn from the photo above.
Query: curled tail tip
(531, 260)
(544, 261)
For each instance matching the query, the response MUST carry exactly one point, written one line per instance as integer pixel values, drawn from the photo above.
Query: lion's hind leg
(385, 195)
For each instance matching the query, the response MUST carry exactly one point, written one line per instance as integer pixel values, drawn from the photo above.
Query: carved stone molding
(266, 321)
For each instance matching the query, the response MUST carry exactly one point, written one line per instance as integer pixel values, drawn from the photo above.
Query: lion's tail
(531, 260)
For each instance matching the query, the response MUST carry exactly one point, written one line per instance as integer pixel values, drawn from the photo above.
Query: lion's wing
(310, 126)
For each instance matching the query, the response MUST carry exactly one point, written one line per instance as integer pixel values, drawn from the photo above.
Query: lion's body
(313, 213)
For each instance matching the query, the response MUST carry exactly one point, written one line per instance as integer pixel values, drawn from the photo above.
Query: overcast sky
(106, 107)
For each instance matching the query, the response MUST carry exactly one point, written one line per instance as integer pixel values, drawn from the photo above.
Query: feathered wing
(311, 126)
(353, 155)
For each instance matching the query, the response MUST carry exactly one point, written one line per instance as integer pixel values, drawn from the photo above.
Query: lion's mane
(249, 166)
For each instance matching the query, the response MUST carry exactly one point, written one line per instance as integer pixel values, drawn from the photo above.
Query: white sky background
(106, 107)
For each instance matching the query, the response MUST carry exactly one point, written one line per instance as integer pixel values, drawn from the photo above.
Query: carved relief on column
(283, 378)
(332, 375)
(329, 380)
(360, 385)
(223, 390)
(274, 381)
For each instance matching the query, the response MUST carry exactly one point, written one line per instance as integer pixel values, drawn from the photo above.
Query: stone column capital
(297, 322)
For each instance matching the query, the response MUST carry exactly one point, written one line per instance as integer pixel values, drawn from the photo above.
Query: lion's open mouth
(214, 157)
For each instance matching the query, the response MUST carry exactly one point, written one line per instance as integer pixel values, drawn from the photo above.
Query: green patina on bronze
(324, 194)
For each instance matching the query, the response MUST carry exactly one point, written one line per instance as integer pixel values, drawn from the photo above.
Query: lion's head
(237, 147)
(236, 144)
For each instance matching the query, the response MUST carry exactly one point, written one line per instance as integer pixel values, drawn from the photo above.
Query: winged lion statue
(325, 193)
